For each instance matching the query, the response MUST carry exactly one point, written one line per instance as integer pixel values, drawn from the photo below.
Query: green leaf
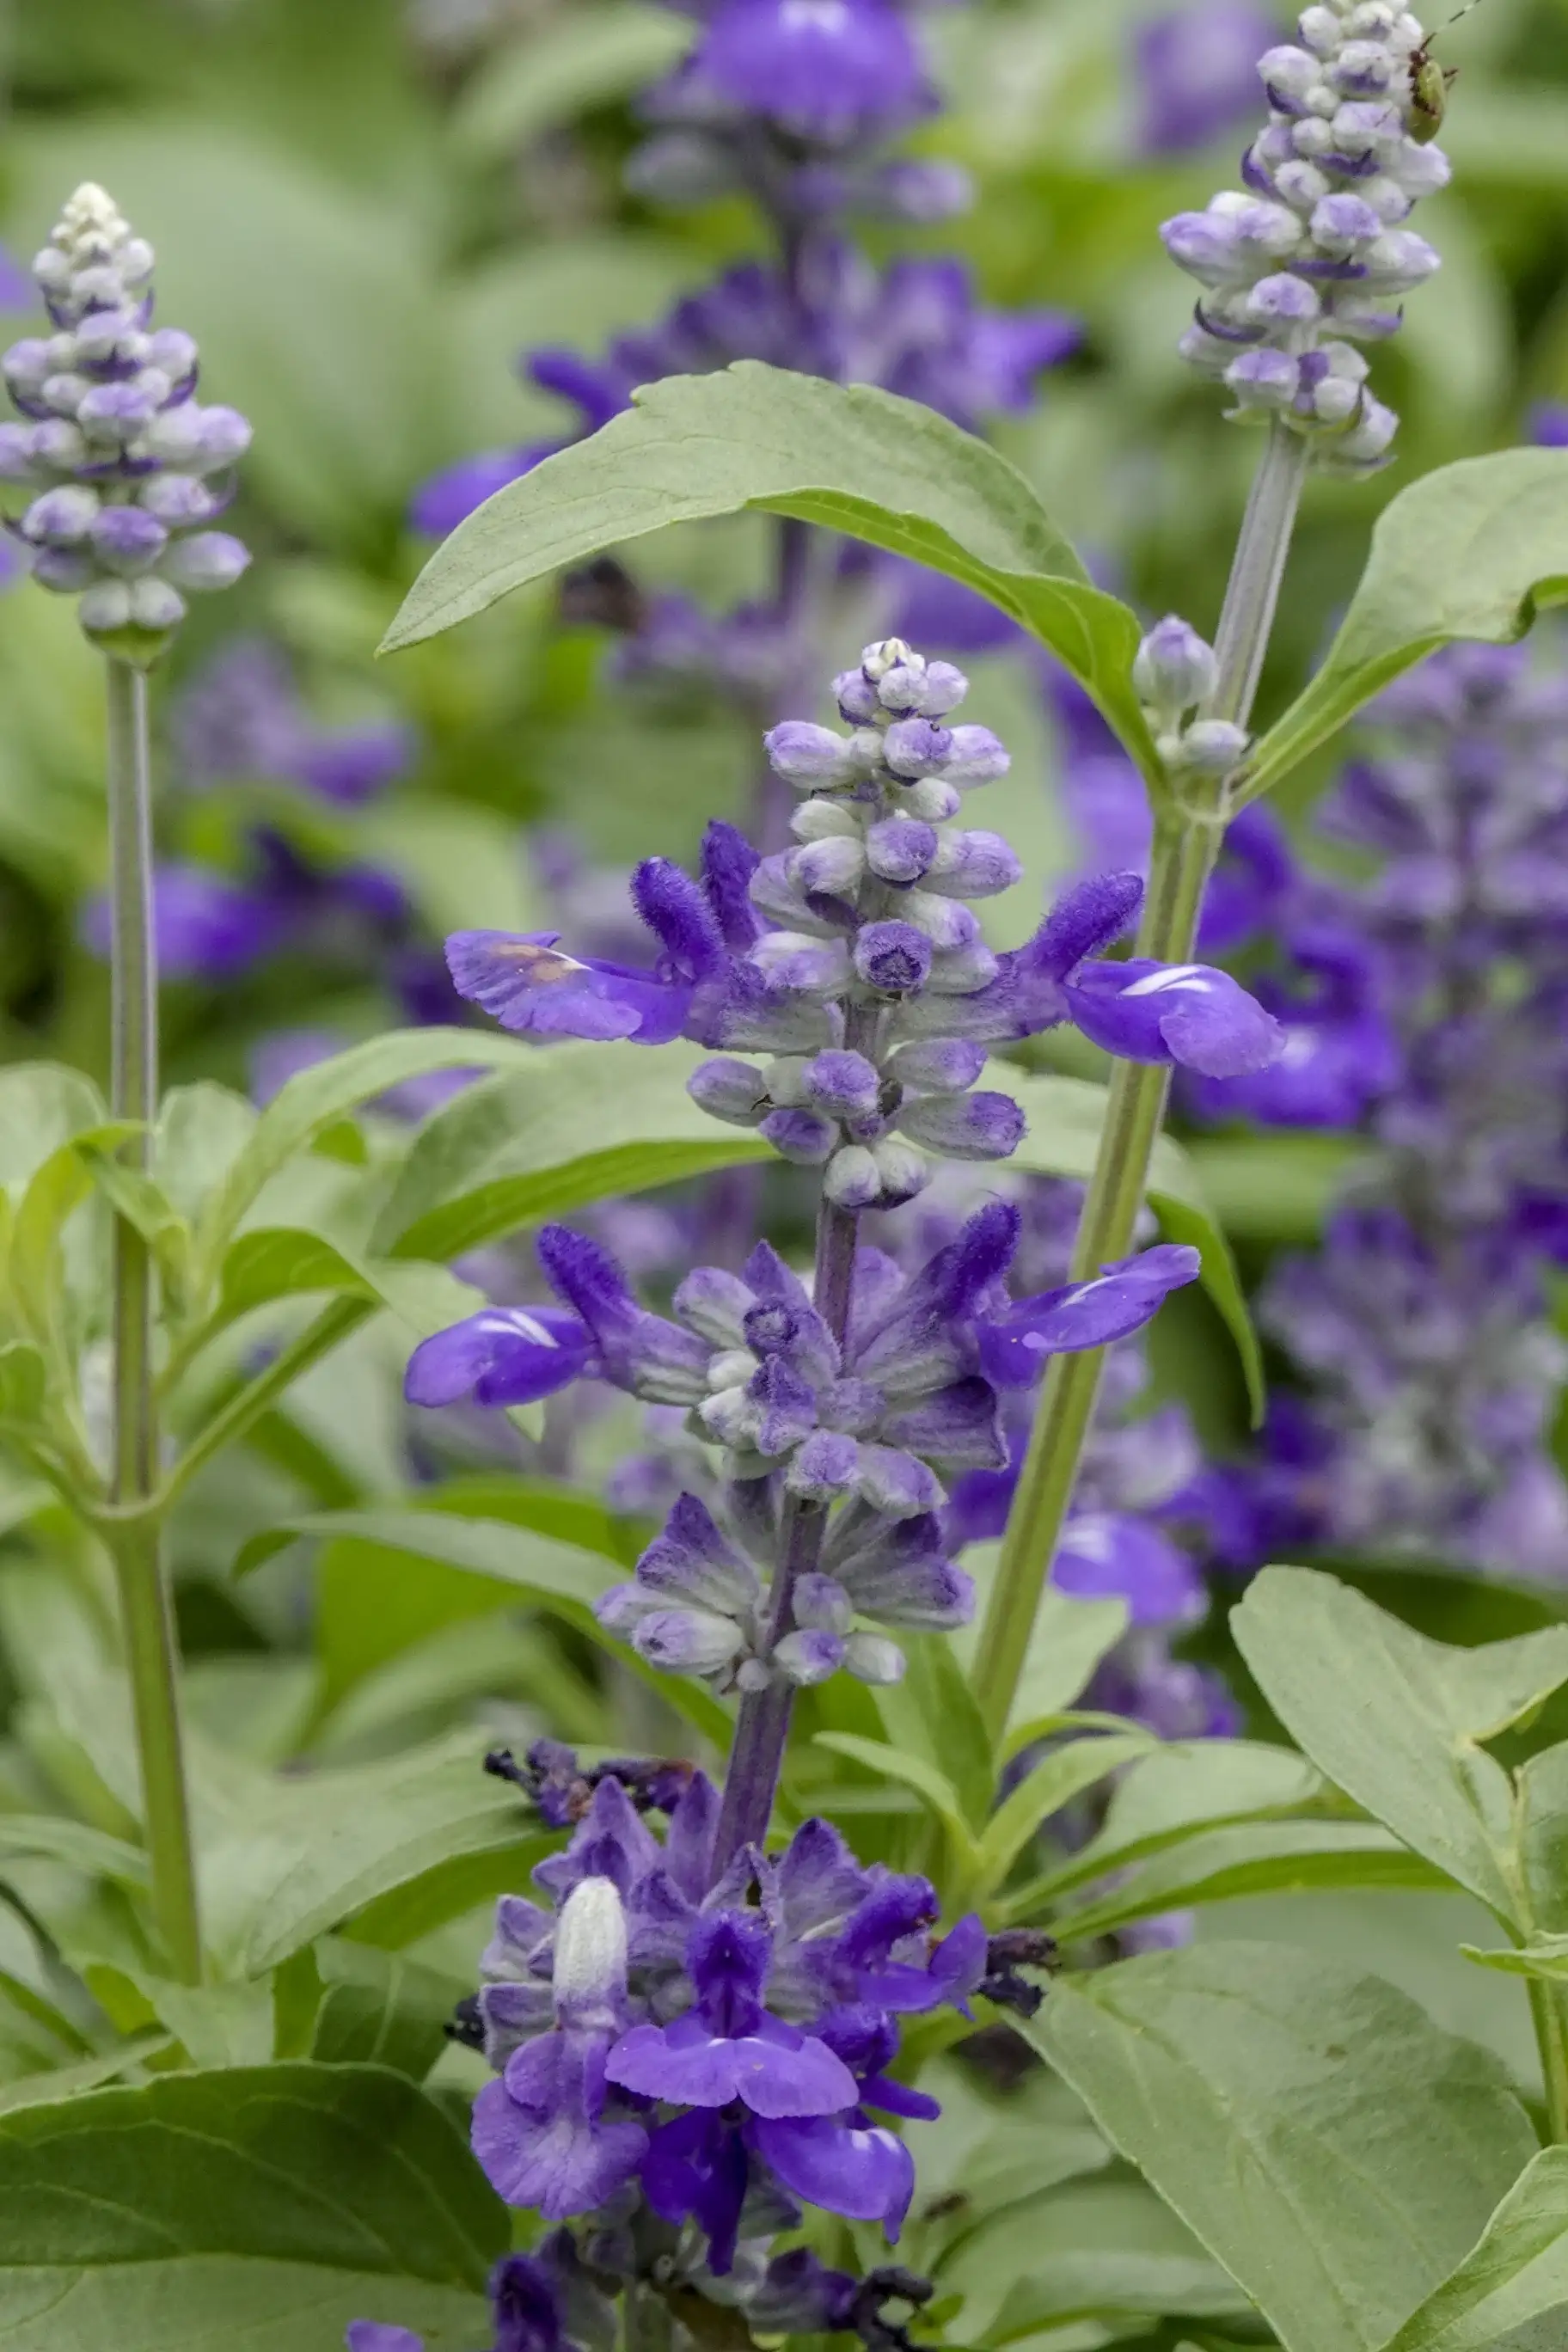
(284, 2201)
(911, 1773)
(89, 2075)
(1059, 1777)
(24, 1380)
(1180, 1789)
(380, 2010)
(1183, 1220)
(1546, 1957)
(315, 1098)
(1246, 1858)
(852, 460)
(554, 74)
(272, 1262)
(1513, 2288)
(932, 1713)
(73, 1843)
(578, 1123)
(219, 2024)
(300, 1853)
(1543, 1837)
(1068, 1640)
(1476, 550)
(201, 1132)
(552, 1576)
(587, 1122)
(55, 1192)
(1090, 2248)
(1334, 2149)
(42, 1106)
(1396, 1720)
(451, 1890)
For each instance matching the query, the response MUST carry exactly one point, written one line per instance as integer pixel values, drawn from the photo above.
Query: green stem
(1546, 2016)
(134, 1539)
(1183, 860)
(1187, 838)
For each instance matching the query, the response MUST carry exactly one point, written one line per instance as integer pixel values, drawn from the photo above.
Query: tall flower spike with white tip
(118, 470)
(1310, 259)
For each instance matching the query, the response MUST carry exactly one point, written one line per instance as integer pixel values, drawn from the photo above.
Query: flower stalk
(134, 1535)
(1188, 833)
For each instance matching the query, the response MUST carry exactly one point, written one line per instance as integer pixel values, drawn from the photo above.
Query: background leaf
(853, 459)
(1327, 2143)
(289, 2199)
(1514, 2286)
(1474, 550)
(1395, 1720)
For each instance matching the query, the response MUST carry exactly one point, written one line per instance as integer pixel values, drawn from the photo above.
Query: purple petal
(538, 2135)
(504, 1355)
(448, 498)
(861, 2170)
(729, 862)
(1084, 918)
(1090, 1314)
(687, 2064)
(693, 1561)
(817, 69)
(1190, 1014)
(526, 2299)
(376, 2336)
(526, 984)
(1112, 1555)
(696, 2168)
(679, 915)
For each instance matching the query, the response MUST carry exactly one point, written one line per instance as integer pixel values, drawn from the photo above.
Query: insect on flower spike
(1429, 84)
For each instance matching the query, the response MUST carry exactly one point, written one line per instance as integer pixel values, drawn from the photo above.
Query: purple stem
(762, 1727)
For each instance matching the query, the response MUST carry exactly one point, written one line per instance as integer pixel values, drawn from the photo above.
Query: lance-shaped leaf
(1475, 549)
(1328, 2144)
(849, 458)
(1397, 1720)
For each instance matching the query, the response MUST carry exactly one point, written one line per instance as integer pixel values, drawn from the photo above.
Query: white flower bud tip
(590, 1969)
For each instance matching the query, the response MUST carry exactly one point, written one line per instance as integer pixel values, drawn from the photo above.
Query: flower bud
(873, 1658)
(812, 759)
(1174, 669)
(1212, 747)
(729, 1089)
(589, 1969)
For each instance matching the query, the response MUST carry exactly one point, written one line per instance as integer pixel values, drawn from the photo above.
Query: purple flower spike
(1190, 1014)
(503, 1355)
(1014, 1347)
(729, 2047)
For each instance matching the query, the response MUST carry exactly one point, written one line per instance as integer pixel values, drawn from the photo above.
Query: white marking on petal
(1194, 976)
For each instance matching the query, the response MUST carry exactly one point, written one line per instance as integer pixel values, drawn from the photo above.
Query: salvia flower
(1312, 258)
(867, 1429)
(856, 959)
(1423, 1007)
(117, 471)
(719, 2046)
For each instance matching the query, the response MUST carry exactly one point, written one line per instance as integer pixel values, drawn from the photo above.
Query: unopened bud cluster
(1310, 259)
(875, 908)
(118, 470)
(1174, 676)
